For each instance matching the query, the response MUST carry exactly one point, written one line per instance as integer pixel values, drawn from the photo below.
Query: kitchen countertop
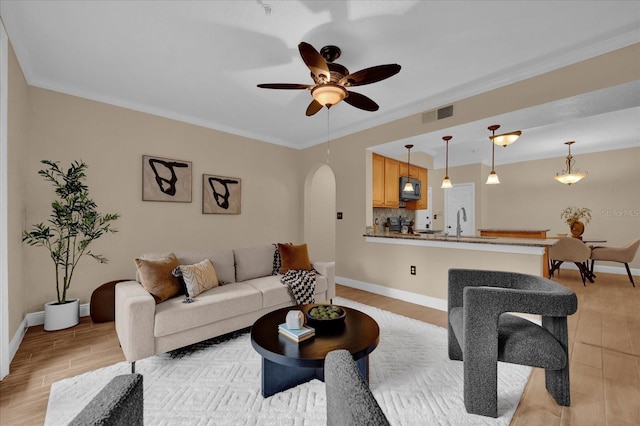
(464, 242)
(548, 242)
(513, 230)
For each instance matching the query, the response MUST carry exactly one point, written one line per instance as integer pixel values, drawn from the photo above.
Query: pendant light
(567, 176)
(446, 183)
(408, 187)
(506, 138)
(493, 177)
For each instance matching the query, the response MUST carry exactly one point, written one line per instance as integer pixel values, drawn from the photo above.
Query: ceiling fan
(332, 79)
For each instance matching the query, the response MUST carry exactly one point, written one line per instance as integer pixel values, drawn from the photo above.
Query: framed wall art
(164, 179)
(221, 194)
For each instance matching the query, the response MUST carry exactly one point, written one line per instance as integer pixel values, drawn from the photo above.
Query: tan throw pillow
(199, 277)
(294, 257)
(156, 277)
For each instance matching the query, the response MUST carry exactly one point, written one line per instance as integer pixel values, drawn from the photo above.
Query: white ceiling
(200, 62)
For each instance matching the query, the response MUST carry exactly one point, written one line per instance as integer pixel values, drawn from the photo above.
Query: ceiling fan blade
(370, 75)
(361, 101)
(313, 107)
(314, 60)
(289, 86)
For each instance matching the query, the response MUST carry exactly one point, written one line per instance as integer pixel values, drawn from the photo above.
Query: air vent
(437, 114)
(445, 112)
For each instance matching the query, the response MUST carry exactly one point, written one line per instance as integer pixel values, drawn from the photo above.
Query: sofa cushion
(274, 293)
(156, 276)
(253, 262)
(213, 305)
(294, 257)
(222, 260)
(197, 278)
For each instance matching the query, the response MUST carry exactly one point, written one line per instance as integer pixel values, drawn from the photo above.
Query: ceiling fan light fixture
(567, 176)
(328, 94)
(506, 138)
(446, 182)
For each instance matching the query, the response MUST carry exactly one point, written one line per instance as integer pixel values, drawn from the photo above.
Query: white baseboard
(34, 318)
(14, 344)
(441, 304)
(407, 296)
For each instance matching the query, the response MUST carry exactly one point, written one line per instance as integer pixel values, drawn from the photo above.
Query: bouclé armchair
(481, 333)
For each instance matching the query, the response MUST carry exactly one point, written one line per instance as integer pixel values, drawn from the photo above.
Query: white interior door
(461, 195)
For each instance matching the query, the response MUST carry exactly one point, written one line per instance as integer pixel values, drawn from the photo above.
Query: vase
(58, 316)
(577, 229)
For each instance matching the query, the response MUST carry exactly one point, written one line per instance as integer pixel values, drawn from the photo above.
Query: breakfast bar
(428, 258)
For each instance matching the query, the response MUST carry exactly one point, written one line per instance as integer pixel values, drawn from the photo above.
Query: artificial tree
(73, 225)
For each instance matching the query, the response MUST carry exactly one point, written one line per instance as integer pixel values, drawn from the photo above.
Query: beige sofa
(248, 290)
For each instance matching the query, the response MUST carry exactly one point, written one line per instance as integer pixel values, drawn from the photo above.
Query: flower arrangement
(572, 215)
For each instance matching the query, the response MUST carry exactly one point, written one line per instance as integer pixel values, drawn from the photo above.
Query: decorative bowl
(319, 315)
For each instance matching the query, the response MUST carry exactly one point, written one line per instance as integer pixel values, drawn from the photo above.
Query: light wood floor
(604, 349)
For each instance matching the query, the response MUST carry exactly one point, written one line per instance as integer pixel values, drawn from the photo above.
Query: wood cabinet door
(391, 183)
(378, 180)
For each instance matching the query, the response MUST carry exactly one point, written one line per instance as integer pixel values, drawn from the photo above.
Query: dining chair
(569, 249)
(615, 254)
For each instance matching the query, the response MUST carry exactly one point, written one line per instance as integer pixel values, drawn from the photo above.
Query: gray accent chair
(481, 333)
(349, 399)
(120, 402)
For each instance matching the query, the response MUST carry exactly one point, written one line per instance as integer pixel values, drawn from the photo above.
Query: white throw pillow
(198, 278)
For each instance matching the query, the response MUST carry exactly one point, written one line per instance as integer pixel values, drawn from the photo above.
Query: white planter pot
(57, 317)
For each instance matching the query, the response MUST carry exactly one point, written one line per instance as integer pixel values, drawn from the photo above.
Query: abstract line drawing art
(221, 194)
(164, 179)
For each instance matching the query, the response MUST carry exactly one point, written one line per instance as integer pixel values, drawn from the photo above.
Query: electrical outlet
(339, 215)
(413, 270)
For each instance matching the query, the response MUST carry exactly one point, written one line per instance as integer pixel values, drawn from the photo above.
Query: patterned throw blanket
(302, 285)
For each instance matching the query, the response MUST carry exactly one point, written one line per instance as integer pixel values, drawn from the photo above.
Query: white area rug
(410, 375)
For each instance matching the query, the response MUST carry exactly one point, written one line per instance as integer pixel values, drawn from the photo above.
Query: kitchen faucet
(464, 217)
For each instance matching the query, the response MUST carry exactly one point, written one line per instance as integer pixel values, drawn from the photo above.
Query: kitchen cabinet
(391, 183)
(386, 181)
(386, 174)
(414, 171)
(378, 180)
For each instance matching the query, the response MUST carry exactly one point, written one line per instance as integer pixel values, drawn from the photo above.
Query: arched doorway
(319, 213)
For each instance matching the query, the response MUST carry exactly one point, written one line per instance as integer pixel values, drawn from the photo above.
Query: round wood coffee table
(286, 363)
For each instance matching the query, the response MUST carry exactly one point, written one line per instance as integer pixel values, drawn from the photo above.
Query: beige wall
(528, 188)
(17, 122)
(112, 140)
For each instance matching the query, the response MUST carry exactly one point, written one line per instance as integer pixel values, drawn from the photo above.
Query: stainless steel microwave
(410, 195)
